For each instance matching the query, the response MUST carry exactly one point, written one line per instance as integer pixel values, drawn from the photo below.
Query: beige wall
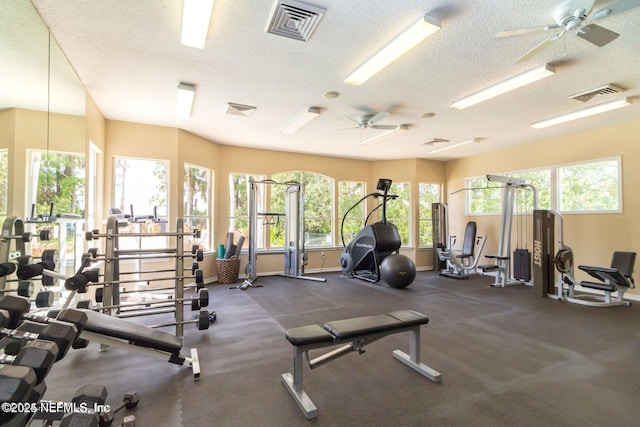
(29, 131)
(593, 237)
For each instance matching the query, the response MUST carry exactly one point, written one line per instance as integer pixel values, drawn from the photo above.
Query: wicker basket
(228, 270)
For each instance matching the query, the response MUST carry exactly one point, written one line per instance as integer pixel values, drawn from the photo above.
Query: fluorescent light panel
(449, 147)
(406, 41)
(385, 133)
(196, 15)
(184, 100)
(508, 85)
(301, 121)
(585, 112)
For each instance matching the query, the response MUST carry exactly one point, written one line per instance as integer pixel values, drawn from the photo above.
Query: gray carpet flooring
(507, 358)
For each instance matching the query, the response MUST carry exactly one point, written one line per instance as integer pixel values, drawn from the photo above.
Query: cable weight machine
(295, 256)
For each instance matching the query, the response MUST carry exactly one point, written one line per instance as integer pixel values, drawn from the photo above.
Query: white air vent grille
(240, 109)
(602, 90)
(294, 19)
(434, 141)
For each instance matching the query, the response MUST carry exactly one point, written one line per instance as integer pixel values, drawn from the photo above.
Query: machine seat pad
(310, 334)
(136, 334)
(360, 326)
(599, 285)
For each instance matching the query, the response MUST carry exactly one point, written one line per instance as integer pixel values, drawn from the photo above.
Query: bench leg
(413, 360)
(293, 383)
(195, 364)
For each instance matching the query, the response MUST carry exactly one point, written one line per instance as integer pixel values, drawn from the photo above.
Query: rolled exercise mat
(239, 245)
(231, 249)
(220, 251)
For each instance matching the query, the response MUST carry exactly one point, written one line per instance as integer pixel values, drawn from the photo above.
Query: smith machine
(295, 256)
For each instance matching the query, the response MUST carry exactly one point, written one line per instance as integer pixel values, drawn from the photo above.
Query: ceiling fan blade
(540, 47)
(522, 31)
(383, 126)
(375, 119)
(615, 8)
(597, 35)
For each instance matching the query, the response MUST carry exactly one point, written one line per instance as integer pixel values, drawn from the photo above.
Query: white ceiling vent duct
(294, 19)
(602, 90)
(240, 109)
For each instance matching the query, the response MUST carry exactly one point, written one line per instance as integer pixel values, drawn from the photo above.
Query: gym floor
(506, 358)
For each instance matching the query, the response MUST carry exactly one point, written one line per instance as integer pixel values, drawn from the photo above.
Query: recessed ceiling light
(427, 115)
(331, 94)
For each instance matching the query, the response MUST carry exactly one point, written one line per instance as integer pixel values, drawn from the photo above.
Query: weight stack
(522, 265)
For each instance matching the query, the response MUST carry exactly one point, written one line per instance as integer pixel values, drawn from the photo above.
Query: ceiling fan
(574, 16)
(369, 121)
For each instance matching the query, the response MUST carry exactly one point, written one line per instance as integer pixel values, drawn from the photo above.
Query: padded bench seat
(134, 333)
(352, 328)
(341, 330)
(357, 333)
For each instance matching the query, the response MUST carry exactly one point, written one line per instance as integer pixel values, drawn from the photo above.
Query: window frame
(208, 233)
(427, 216)
(619, 210)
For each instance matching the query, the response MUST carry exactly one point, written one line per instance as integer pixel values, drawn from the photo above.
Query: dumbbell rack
(113, 255)
(12, 226)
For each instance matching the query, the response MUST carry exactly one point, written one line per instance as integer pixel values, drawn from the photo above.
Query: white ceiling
(129, 56)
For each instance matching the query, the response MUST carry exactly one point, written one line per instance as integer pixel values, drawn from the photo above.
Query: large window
(4, 183)
(541, 180)
(239, 193)
(141, 186)
(590, 187)
(318, 207)
(427, 194)
(58, 178)
(594, 187)
(350, 192)
(399, 210)
(483, 197)
(197, 203)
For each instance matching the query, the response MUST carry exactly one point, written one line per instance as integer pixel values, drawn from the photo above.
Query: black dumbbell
(16, 385)
(200, 300)
(38, 355)
(129, 401)
(80, 281)
(12, 310)
(61, 333)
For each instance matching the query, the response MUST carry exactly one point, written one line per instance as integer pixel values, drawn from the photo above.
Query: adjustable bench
(357, 333)
(115, 332)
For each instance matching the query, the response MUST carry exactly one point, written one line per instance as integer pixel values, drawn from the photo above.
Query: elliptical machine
(374, 252)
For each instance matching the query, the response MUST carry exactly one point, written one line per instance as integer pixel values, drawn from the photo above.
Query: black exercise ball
(398, 271)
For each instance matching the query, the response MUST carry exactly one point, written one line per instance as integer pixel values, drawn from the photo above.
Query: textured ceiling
(129, 56)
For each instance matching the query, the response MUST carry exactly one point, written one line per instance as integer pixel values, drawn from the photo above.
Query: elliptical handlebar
(385, 196)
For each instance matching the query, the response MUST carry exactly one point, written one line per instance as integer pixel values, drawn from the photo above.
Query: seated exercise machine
(460, 264)
(613, 281)
(357, 333)
(374, 252)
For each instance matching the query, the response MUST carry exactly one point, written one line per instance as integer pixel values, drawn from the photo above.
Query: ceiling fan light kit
(196, 15)
(406, 41)
(585, 112)
(301, 120)
(505, 86)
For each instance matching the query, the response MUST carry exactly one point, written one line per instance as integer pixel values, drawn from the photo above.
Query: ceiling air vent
(602, 90)
(294, 19)
(239, 109)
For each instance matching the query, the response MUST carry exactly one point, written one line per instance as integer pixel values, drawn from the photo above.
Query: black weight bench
(357, 333)
(112, 331)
